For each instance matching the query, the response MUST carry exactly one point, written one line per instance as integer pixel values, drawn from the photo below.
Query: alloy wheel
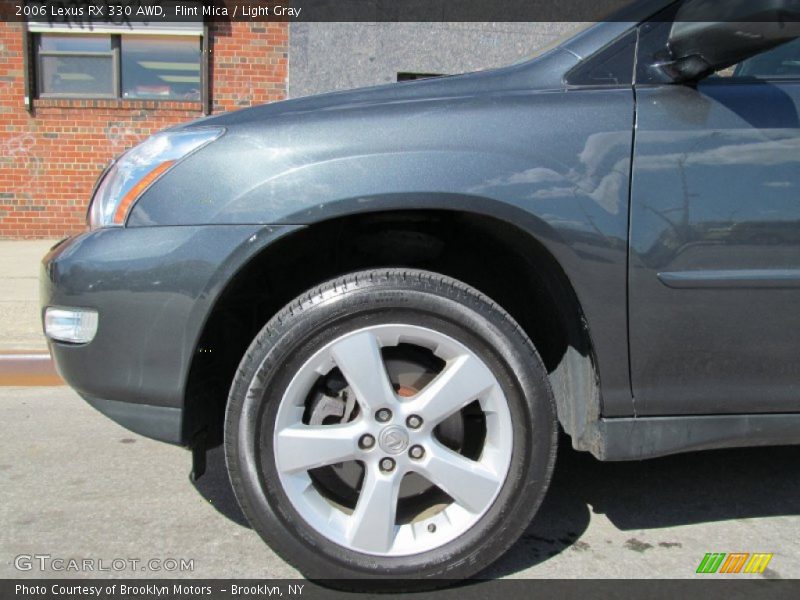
(418, 463)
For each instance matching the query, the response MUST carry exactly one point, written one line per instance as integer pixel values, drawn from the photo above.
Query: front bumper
(153, 288)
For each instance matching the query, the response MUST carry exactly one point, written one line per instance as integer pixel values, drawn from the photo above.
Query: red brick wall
(50, 159)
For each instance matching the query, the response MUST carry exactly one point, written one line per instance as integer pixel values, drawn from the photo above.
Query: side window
(654, 56)
(782, 62)
(611, 66)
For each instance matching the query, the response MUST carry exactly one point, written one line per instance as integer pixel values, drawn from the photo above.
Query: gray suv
(386, 302)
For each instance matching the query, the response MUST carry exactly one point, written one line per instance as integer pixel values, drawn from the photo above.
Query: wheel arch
(466, 245)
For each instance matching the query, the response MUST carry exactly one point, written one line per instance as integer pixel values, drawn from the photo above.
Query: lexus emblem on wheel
(393, 440)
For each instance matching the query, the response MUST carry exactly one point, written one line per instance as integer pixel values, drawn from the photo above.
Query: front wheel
(390, 423)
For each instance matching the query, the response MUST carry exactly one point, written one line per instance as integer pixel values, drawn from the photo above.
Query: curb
(27, 369)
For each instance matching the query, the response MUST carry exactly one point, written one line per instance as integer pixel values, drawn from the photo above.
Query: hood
(541, 74)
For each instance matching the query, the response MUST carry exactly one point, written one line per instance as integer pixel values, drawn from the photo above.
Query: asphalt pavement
(74, 485)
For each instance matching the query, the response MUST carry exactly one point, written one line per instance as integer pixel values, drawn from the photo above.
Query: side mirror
(709, 35)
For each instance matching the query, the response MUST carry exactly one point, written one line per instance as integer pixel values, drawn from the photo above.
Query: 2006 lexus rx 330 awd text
(385, 302)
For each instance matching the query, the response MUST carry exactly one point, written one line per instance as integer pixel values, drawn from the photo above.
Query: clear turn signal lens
(74, 325)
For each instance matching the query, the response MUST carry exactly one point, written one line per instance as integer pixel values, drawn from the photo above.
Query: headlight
(136, 170)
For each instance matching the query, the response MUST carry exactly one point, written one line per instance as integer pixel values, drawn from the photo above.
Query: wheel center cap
(393, 439)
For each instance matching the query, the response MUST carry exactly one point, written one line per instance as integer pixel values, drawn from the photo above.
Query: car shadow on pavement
(215, 487)
(683, 489)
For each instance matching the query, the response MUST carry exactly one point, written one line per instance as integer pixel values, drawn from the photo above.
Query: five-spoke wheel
(392, 435)
(391, 424)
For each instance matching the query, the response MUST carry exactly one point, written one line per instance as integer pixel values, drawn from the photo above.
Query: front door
(714, 279)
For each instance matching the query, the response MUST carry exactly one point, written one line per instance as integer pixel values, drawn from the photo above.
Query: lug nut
(431, 528)
(414, 421)
(383, 415)
(387, 465)
(416, 452)
(366, 442)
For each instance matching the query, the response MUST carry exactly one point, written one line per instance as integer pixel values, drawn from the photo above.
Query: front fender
(555, 164)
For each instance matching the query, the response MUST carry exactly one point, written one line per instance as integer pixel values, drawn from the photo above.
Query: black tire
(352, 302)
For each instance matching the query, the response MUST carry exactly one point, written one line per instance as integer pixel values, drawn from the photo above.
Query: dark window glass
(166, 67)
(613, 65)
(77, 75)
(782, 62)
(76, 65)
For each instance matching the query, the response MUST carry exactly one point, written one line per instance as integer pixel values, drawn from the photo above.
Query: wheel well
(495, 257)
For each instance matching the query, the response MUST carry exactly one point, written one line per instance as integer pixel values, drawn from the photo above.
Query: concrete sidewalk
(19, 294)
